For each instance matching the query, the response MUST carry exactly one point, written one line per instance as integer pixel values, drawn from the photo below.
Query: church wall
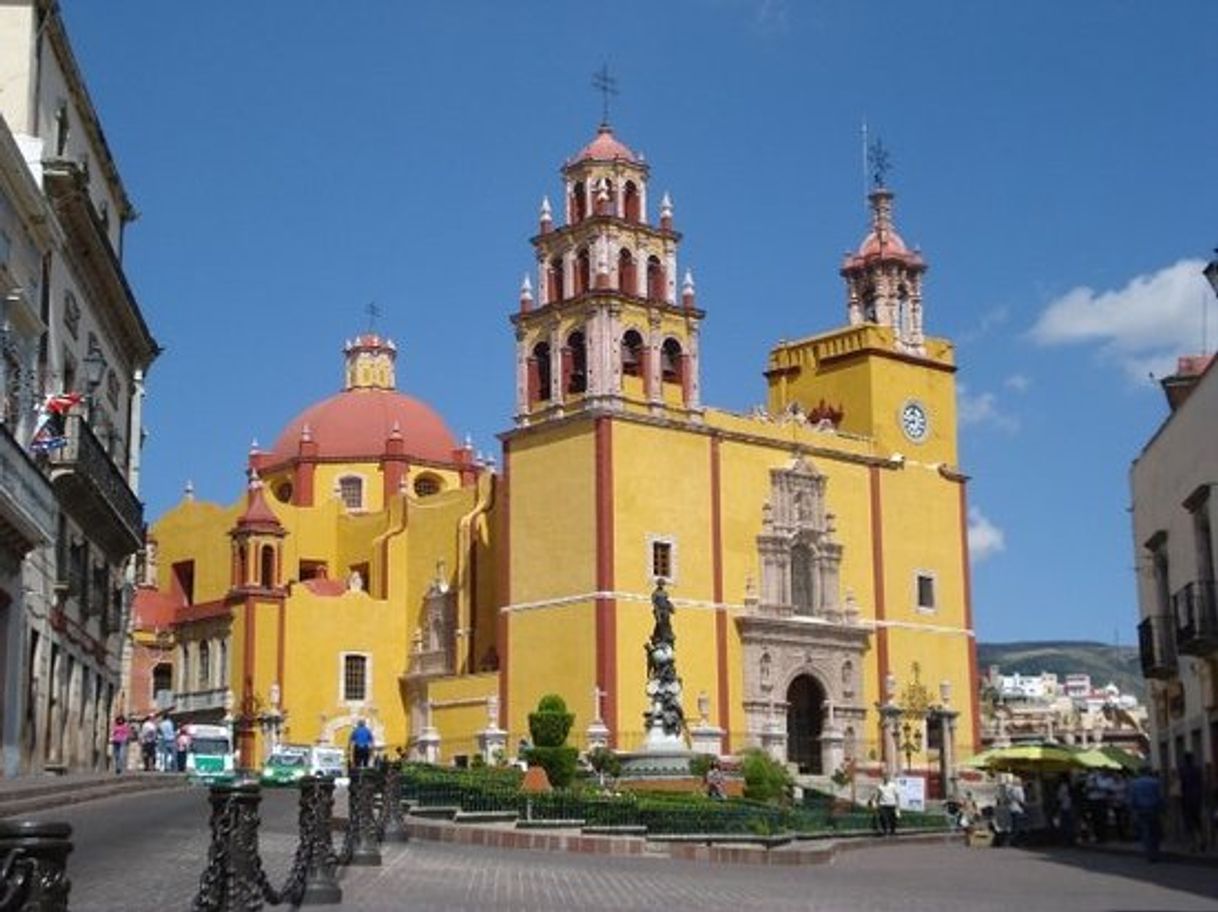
(552, 650)
(459, 712)
(197, 531)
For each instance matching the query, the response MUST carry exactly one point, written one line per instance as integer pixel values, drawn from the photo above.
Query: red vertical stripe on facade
(246, 736)
(717, 583)
(606, 606)
(877, 571)
(502, 622)
(966, 575)
(281, 650)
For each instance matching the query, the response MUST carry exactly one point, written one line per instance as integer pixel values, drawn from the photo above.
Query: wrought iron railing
(114, 505)
(1196, 617)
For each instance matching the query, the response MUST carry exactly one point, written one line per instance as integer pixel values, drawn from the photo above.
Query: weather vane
(606, 84)
(373, 313)
(878, 161)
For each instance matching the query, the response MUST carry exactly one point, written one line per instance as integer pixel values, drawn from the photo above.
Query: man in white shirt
(887, 798)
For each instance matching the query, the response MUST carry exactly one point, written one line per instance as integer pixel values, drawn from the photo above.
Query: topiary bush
(558, 762)
(765, 779)
(551, 723)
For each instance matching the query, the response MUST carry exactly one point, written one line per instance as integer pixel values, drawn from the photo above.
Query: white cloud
(1017, 382)
(990, 320)
(982, 409)
(1143, 326)
(984, 538)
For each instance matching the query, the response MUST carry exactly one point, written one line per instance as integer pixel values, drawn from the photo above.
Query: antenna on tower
(866, 187)
(606, 84)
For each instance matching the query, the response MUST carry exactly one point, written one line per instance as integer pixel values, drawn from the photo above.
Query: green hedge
(558, 762)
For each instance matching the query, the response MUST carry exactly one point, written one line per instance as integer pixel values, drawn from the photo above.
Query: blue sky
(1054, 161)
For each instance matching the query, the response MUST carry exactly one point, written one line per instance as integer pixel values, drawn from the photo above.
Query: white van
(327, 760)
(210, 756)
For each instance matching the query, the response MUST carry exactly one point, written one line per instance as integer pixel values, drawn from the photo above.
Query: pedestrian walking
(361, 742)
(1065, 811)
(714, 781)
(888, 800)
(1145, 796)
(181, 746)
(120, 735)
(148, 736)
(166, 745)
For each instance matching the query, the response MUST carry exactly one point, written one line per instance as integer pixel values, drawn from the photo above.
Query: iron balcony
(1196, 618)
(1156, 647)
(92, 489)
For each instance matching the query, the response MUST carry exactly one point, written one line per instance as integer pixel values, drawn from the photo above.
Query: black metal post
(233, 879)
(321, 886)
(393, 827)
(361, 846)
(34, 866)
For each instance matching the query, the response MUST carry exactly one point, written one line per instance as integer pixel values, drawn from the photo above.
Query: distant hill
(1118, 664)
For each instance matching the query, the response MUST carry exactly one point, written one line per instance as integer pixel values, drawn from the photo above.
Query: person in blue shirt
(361, 742)
(1145, 799)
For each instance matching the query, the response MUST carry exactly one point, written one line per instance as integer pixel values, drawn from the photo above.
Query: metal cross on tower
(606, 84)
(374, 313)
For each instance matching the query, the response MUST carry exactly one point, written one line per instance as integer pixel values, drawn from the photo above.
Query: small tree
(549, 726)
(765, 779)
(604, 762)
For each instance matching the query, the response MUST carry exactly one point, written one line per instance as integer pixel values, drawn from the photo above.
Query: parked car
(287, 765)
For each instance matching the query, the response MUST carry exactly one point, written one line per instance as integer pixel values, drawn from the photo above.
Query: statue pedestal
(832, 749)
(774, 741)
(706, 739)
(597, 734)
(492, 744)
(428, 745)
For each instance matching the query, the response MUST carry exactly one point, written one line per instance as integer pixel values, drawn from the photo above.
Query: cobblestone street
(146, 853)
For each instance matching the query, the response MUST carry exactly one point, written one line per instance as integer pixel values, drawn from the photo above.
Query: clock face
(914, 421)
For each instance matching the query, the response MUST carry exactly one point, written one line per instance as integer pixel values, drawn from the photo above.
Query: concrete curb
(44, 796)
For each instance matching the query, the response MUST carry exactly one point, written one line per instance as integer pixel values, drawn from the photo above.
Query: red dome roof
(356, 423)
(893, 244)
(606, 147)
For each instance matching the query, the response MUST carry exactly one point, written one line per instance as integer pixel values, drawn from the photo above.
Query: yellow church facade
(815, 550)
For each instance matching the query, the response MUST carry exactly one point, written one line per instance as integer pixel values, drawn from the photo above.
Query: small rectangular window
(926, 592)
(355, 678)
(184, 581)
(661, 559)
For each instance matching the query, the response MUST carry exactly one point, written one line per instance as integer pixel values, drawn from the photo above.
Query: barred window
(926, 591)
(351, 490)
(661, 559)
(355, 678)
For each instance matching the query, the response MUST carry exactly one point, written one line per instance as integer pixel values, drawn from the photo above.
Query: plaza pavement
(144, 853)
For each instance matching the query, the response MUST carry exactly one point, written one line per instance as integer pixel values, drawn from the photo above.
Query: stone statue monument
(664, 718)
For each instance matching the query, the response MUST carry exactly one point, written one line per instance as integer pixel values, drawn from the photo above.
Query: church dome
(357, 423)
(606, 147)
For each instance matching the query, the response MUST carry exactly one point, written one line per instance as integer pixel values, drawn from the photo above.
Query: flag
(49, 430)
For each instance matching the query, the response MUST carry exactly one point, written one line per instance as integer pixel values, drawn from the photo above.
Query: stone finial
(188, 493)
(255, 482)
(395, 433)
(254, 448)
(469, 443)
(526, 293)
(687, 290)
(547, 217)
(306, 432)
(666, 206)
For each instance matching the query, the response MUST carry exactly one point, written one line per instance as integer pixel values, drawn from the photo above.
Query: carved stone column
(890, 722)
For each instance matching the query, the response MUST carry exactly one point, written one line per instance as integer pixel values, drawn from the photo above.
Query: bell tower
(609, 326)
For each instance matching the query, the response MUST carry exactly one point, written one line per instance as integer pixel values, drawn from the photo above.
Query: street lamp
(911, 741)
(95, 370)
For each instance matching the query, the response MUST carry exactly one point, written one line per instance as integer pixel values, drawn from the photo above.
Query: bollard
(392, 827)
(360, 847)
(320, 886)
(34, 866)
(232, 880)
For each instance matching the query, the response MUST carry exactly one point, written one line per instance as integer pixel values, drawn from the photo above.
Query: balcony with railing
(93, 489)
(213, 698)
(1196, 618)
(1157, 647)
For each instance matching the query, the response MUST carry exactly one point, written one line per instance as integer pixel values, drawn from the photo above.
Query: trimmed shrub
(765, 779)
(551, 723)
(699, 764)
(558, 762)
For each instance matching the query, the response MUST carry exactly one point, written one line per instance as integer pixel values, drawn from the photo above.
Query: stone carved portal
(803, 644)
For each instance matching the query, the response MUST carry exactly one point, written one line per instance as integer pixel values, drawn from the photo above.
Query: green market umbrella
(1095, 759)
(1027, 758)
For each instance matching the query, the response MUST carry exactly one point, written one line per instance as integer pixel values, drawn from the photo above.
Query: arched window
(266, 564)
(554, 276)
(541, 355)
(427, 484)
(351, 490)
(579, 202)
(583, 272)
(632, 353)
(577, 380)
(204, 665)
(670, 361)
(631, 203)
(185, 664)
(627, 273)
(655, 279)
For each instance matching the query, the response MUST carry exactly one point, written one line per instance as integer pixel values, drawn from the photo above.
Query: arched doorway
(805, 717)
